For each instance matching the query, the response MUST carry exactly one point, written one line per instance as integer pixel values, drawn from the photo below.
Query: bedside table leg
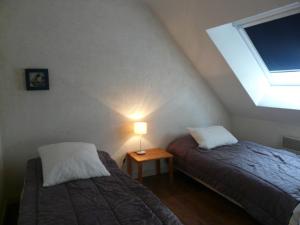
(158, 167)
(140, 172)
(129, 167)
(171, 169)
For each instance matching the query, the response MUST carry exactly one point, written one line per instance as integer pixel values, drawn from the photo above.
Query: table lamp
(140, 128)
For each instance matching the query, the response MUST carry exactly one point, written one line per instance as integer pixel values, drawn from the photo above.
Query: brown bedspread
(263, 180)
(112, 200)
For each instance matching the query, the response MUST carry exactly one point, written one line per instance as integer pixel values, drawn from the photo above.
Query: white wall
(187, 22)
(107, 59)
(263, 131)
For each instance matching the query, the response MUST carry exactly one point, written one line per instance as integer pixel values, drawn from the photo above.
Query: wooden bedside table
(151, 154)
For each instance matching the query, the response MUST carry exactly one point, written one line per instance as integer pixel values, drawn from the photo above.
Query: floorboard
(195, 204)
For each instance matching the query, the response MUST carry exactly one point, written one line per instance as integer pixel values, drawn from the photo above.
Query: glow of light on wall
(135, 101)
(136, 116)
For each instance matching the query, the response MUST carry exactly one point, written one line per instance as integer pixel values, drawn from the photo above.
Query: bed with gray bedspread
(263, 180)
(112, 200)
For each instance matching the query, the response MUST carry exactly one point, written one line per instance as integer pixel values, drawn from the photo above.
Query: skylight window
(263, 51)
(273, 38)
(278, 43)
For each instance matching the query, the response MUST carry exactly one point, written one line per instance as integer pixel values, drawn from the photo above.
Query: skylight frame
(247, 70)
(287, 78)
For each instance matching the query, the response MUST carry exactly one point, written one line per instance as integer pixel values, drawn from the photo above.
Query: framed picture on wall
(37, 79)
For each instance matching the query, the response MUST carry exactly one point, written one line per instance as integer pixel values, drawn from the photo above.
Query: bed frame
(209, 187)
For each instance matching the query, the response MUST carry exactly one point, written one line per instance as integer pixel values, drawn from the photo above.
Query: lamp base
(141, 152)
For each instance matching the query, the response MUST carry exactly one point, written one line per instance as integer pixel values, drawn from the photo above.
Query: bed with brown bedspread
(111, 200)
(263, 180)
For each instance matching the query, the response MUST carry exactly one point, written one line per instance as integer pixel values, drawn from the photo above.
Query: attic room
(130, 112)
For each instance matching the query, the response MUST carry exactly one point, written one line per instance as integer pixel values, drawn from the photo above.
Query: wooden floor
(195, 204)
(11, 214)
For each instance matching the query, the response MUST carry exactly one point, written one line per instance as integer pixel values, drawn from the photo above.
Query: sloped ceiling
(187, 22)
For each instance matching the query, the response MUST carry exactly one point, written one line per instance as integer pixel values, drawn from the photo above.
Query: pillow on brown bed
(68, 161)
(211, 137)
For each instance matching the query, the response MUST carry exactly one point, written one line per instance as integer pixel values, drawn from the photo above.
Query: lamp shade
(140, 128)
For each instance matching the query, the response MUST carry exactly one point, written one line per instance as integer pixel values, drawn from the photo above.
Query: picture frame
(37, 79)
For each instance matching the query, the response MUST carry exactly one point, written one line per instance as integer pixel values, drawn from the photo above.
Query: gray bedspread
(112, 200)
(263, 180)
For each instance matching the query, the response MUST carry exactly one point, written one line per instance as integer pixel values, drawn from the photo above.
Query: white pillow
(70, 161)
(211, 137)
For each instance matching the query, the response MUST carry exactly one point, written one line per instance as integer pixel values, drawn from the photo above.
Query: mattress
(262, 180)
(112, 200)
